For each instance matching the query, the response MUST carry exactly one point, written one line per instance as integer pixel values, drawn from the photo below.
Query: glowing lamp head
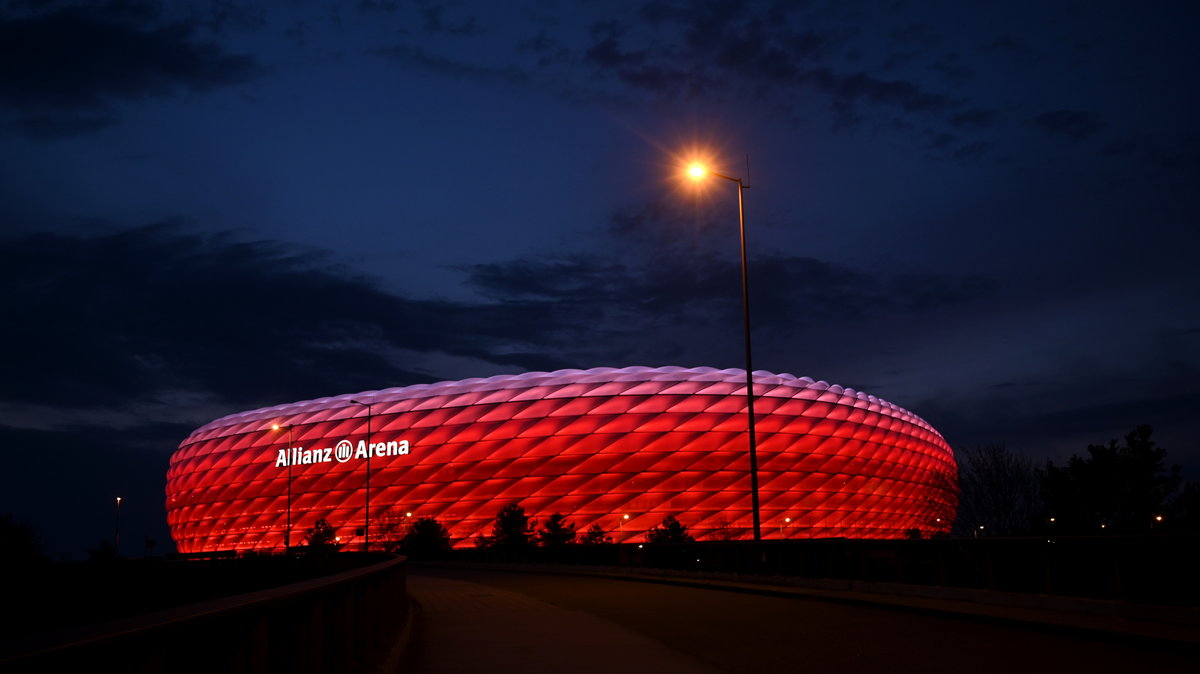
(274, 427)
(696, 171)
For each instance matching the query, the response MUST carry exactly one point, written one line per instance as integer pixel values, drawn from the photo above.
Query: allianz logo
(341, 452)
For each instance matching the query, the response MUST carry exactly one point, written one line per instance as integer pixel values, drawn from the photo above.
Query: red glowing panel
(594, 445)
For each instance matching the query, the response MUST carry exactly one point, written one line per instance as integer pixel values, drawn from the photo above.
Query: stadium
(621, 448)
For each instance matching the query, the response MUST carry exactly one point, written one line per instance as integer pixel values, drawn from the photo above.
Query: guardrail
(340, 623)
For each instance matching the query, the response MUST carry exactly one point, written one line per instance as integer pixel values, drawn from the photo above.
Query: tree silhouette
(1184, 513)
(557, 532)
(425, 538)
(321, 538)
(671, 531)
(105, 552)
(999, 491)
(1122, 486)
(596, 535)
(723, 530)
(18, 545)
(389, 530)
(512, 530)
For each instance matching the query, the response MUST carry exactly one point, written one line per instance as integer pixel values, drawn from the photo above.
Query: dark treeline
(1123, 487)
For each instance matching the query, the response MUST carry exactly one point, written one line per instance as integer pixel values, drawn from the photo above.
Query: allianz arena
(596, 445)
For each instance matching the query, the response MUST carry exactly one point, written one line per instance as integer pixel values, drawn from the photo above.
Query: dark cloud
(387, 6)
(634, 68)
(973, 118)
(1005, 42)
(916, 33)
(415, 57)
(63, 70)
(1057, 429)
(1181, 155)
(1119, 148)
(849, 91)
(239, 322)
(606, 50)
(53, 127)
(223, 14)
(951, 66)
(688, 286)
(581, 277)
(940, 140)
(548, 50)
(723, 50)
(693, 51)
(1077, 125)
(972, 150)
(436, 23)
(927, 291)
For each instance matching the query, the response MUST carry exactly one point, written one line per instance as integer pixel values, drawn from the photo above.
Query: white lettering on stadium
(341, 453)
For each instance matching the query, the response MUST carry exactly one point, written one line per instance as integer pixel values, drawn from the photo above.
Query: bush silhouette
(321, 538)
(512, 530)
(596, 535)
(425, 538)
(670, 532)
(557, 532)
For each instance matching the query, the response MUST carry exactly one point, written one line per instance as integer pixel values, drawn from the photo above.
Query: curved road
(496, 621)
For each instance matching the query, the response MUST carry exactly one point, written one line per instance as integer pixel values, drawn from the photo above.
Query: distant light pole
(367, 491)
(117, 529)
(287, 534)
(697, 171)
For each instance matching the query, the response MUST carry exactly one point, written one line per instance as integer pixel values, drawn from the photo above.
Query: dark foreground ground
(51, 597)
(499, 621)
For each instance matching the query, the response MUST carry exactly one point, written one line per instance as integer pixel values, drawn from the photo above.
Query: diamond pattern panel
(595, 445)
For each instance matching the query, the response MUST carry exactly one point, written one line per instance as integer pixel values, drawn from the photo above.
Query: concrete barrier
(348, 622)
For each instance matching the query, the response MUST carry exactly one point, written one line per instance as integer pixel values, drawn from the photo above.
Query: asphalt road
(497, 621)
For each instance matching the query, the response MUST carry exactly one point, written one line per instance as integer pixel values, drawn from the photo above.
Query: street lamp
(117, 529)
(287, 533)
(367, 491)
(697, 171)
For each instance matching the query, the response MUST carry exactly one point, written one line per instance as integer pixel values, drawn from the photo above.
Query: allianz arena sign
(342, 452)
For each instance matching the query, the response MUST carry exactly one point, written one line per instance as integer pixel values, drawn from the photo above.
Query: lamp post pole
(287, 532)
(287, 535)
(749, 367)
(696, 171)
(367, 490)
(117, 529)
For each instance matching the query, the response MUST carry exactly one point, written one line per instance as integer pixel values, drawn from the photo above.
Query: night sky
(985, 212)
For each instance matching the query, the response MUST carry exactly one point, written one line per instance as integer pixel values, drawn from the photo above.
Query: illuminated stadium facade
(595, 445)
